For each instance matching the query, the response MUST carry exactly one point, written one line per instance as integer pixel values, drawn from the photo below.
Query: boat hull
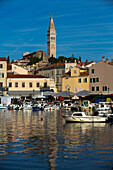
(86, 119)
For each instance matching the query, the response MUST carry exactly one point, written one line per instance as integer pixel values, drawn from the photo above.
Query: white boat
(81, 117)
(49, 108)
(103, 110)
(26, 107)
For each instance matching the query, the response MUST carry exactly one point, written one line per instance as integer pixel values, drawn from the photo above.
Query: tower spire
(51, 39)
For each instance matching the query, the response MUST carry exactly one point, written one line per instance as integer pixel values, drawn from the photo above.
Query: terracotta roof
(14, 62)
(2, 58)
(40, 51)
(84, 74)
(33, 53)
(89, 63)
(52, 66)
(68, 74)
(111, 63)
(25, 76)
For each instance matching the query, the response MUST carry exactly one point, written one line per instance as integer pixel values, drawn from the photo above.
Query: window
(93, 88)
(76, 89)
(92, 71)
(37, 84)
(85, 80)
(1, 65)
(23, 84)
(57, 71)
(57, 79)
(97, 79)
(63, 71)
(53, 38)
(30, 84)
(10, 84)
(97, 88)
(79, 80)
(105, 88)
(45, 84)
(80, 88)
(70, 67)
(1, 75)
(1, 84)
(75, 71)
(91, 80)
(16, 84)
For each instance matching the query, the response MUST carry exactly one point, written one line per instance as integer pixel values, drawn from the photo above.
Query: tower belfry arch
(51, 39)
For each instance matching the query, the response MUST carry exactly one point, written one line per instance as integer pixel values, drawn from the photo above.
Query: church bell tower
(51, 39)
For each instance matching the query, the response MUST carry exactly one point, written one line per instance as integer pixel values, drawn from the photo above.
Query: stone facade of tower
(51, 39)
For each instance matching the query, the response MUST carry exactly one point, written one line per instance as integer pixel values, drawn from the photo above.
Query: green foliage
(53, 60)
(8, 59)
(62, 59)
(34, 60)
(31, 60)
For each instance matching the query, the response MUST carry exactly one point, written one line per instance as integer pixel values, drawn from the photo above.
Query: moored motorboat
(36, 107)
(81, 117)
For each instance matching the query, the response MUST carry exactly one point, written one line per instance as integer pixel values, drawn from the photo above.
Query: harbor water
(42, 140)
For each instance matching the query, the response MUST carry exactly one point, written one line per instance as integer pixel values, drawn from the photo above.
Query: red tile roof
(89, 63)
(84, 73)
(68, 74)
(52, 66)
(25, 76)
(2, 58)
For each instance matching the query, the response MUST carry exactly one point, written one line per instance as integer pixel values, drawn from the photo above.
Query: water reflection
(44, 137)
(25, 132)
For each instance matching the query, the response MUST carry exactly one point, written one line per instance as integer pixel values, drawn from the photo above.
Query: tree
(31, 60)
(8, 59)
(62, 59)
(53, 60)
(80, 59)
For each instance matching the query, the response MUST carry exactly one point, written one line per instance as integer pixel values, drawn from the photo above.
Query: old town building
(77, 79)
(101, 77)
(26, 85)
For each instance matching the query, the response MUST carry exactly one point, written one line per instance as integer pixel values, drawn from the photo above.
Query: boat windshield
(77, 114)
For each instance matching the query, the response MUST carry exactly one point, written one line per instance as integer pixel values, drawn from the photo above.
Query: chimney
(107, 60)
(103, 58)
(86, 61)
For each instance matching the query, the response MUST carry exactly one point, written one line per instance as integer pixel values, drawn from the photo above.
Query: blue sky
(84, 28)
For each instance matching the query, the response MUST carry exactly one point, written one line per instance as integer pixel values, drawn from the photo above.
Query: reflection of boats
(51, 107)
(83, 118)
(74, 128)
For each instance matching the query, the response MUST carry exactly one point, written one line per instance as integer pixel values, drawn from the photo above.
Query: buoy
(41, 118)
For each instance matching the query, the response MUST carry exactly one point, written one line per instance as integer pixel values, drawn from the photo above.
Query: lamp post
(33, 92)
(108, 90)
